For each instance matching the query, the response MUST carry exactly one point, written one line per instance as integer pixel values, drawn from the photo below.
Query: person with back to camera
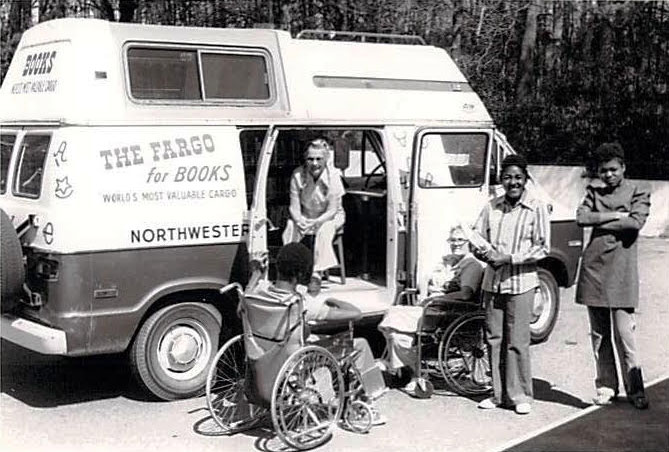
(316, 191)
(457, 278)
(608, 283)
(514, 232)
(294, 267)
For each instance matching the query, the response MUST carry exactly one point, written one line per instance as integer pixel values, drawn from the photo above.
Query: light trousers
(613, 328)
(324, 255)
(508, 337)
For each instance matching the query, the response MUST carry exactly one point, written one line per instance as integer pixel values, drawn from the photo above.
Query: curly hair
(515, 160)
(608, 151)
(295, 261)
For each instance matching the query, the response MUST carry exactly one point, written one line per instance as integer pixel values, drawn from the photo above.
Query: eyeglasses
(457, 240)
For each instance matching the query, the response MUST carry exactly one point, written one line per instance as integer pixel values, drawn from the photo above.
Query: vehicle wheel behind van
(12, 273)
(174, 349)
(546, 307)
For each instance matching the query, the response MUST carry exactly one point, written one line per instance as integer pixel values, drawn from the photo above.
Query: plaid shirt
(523, 231)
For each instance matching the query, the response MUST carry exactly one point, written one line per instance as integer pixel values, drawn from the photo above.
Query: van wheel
(12, 272)
(546, 307)
(174, 349)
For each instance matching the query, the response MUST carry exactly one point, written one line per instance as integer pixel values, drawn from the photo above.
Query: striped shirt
(523, 231)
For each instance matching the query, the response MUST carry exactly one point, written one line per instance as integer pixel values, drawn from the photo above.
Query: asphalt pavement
(91, 404)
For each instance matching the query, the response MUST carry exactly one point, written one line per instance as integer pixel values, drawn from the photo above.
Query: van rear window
(6, 145)
(34, 149)
(190, 74)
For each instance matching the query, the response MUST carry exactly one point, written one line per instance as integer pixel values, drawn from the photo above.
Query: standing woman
(517, 231)
(609, 280)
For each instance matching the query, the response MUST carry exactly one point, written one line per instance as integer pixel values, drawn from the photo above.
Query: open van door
(258, 220)
(449, 185)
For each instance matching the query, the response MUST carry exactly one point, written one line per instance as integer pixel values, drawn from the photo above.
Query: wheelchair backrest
(273, 330)
(272, 318)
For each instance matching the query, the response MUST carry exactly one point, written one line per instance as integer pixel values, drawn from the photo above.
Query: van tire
(174, 348)
(12, 272)
(545, 307)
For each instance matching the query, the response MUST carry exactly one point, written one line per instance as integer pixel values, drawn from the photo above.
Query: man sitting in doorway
(316, 209)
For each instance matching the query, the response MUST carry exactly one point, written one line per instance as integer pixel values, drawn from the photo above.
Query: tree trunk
(127, 10)
(526, 62)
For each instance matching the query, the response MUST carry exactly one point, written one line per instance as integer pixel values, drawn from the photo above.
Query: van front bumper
(33, 336)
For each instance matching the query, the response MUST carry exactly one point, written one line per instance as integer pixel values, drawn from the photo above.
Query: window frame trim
(199, 50)
(9, 182)
(486, 157)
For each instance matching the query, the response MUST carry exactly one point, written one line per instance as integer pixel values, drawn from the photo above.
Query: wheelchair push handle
(232, 286)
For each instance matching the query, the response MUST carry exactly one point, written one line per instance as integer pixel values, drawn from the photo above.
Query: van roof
(79, 76)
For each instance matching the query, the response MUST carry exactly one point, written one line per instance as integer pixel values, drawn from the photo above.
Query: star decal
(63, 188)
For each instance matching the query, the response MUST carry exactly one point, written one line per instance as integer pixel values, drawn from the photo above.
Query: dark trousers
(508, 336)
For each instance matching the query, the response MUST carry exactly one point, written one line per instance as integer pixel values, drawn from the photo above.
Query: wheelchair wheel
(463, 355)
(307, 398)
(358, 416)
(225, 389)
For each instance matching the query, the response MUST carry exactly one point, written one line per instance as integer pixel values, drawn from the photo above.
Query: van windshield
(6, 146)
(452, 160)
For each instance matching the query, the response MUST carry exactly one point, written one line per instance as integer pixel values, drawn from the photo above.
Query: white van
(144, 166)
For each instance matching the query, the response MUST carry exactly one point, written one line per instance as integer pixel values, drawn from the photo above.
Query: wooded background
(559, 77)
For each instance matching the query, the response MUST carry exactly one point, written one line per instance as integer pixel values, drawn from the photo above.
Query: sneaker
(377, 417)
(523, 408)
(604, 396)
(488, 404)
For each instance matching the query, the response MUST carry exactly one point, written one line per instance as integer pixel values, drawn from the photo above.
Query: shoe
(604, 396)
(523, 408)
(640, 402)
(410, 388)
(377, 417)
(488, 404)
(637, 394)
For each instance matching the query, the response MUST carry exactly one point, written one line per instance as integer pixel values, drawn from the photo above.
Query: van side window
(163, 74)
(251, 144)
(452, 159)
(235, 76)
(28, 179)
(189, 74)
(6, 146)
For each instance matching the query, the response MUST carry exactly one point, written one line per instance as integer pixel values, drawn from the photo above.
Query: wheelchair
(270, 371)
(450, 347)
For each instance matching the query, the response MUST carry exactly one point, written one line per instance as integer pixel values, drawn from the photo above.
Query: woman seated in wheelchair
(295, 267)
(455, 281)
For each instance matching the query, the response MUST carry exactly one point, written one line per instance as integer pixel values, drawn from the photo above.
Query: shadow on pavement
(544, 392)
(44, 381)
(618, 427)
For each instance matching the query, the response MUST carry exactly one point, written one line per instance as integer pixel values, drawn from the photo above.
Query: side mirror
(341, 154)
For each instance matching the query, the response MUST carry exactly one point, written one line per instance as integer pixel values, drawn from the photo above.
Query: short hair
(515, 160)
(295, 261)
(608, 151)
(320, 144)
